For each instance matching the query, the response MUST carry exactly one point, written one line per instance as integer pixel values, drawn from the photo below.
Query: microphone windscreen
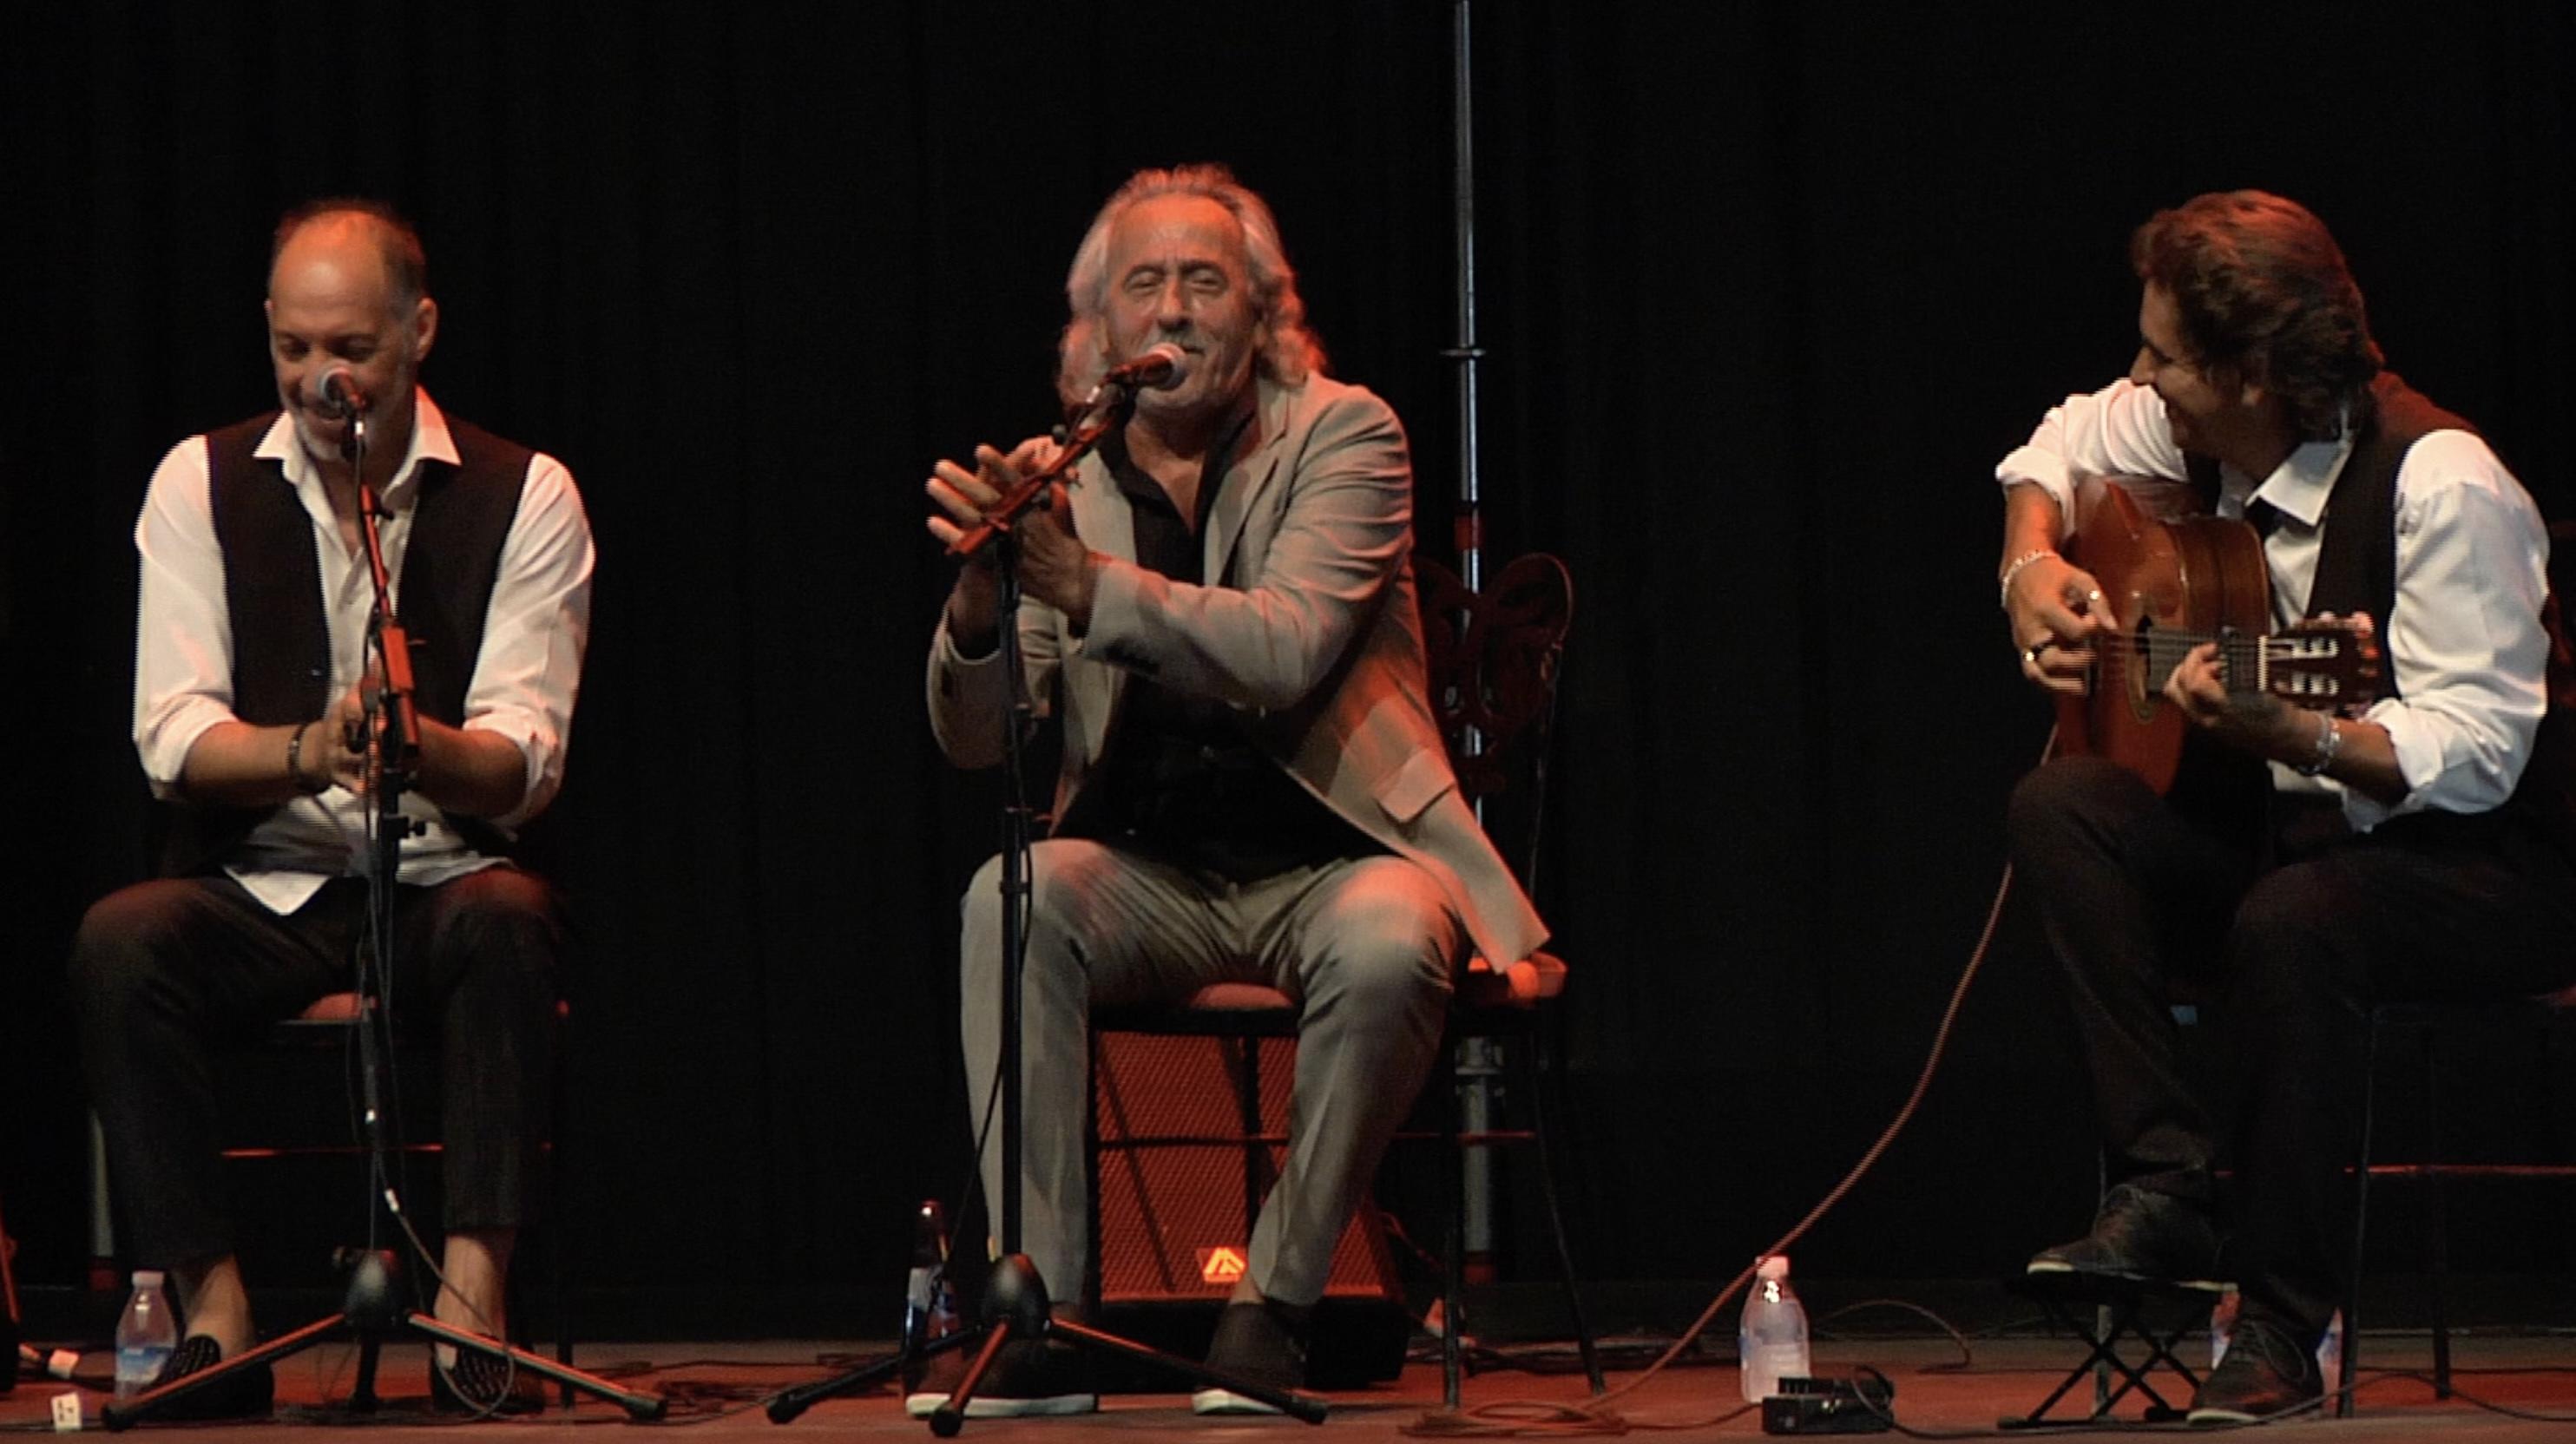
(1173, 362)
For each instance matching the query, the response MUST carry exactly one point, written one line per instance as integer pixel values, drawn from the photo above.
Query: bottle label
(137, 1366)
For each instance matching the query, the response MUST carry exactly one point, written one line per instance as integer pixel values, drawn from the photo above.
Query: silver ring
(2030, 653)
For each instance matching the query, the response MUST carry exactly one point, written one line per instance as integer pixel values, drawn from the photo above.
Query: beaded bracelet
(2012, 569)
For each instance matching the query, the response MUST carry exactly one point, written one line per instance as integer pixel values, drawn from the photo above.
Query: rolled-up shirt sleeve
(528, 673)
(2464, 642)
(2119, 430)
(183, 653)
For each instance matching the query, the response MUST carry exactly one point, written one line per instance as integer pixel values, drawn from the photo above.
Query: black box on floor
(1830, 1406)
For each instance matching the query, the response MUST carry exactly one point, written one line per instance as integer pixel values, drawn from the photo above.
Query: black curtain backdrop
(1768, 290)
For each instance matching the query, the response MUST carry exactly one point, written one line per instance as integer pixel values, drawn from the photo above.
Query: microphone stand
(371, 1312)
(1015, 1303)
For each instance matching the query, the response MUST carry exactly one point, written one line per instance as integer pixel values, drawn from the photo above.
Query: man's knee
(125, 943)
(1062, 881)
(499, 916)
(2288, 924)
(1390, 941)
(2053, 802)
(501, 896)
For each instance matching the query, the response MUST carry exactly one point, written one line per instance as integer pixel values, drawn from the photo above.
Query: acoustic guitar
(2170, 584)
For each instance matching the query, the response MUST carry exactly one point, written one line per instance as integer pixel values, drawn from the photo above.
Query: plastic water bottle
(929, 1304)
(1771, 1340)
(145, 1335)
(2222, 1322)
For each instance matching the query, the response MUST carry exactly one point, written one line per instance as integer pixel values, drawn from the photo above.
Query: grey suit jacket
(1309, 632)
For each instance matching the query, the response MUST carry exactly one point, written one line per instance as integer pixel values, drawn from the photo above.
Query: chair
(325, 1027)
(2423, 1023)
(1493, 659)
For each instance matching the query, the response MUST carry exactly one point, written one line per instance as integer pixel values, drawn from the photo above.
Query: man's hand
(2054, 608)
(2257, 721)
(1054, 566)
(2254, 721)
(336, 746)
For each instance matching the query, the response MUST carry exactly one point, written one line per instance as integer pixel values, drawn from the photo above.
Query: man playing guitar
(2293, 865)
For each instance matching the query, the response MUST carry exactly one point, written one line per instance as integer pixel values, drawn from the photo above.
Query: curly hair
(2261, 289)
(1293, 351)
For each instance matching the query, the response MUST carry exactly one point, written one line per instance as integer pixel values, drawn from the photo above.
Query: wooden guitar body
(2198, 575)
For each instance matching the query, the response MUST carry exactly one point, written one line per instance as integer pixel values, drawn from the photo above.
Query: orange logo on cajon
(1221, 1265)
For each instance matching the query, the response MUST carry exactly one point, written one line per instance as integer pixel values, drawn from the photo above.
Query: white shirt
(524, 680)
(2465, 642)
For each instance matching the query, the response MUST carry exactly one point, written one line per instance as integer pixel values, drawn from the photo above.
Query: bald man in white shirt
(250, 718)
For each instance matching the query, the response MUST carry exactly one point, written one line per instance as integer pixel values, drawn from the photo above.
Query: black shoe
(481, 1384)
(1261, 1343)
(2144, 1235)
(2267, 1373)
(1031, 1378)
(242, 1394)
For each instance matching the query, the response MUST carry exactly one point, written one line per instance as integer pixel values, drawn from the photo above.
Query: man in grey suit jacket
(1221, 611)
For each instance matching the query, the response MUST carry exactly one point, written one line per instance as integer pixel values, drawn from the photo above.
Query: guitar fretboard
(2288, 664)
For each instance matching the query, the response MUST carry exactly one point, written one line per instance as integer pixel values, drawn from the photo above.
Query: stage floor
(716, 1391)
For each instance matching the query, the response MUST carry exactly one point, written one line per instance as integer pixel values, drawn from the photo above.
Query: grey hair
(1292, 353)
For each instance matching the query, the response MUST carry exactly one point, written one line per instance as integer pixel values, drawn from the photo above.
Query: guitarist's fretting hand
(2255, 721)
(2054, 608)
(2272, 728)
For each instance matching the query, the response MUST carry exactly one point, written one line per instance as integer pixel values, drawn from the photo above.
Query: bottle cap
(1772, 1266)
(147, 1278)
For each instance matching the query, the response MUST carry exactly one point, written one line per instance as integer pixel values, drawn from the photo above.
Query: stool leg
(559, 1234)
(2437, 1244)
(1256, 1154)
(1544, 1100)
(2360, 1221)
(1453, 1250)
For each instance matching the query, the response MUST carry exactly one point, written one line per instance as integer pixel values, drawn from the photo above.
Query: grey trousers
(1365, 946)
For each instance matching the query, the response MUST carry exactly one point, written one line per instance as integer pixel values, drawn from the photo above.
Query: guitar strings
(2162, 651)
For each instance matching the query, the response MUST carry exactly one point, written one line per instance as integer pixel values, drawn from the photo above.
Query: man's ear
(2245, 380)
(424, 329)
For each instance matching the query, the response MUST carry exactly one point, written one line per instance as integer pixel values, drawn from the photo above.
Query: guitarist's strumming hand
(2054, 607)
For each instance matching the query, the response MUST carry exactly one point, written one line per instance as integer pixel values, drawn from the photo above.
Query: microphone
(339, 394)
(1157, 370)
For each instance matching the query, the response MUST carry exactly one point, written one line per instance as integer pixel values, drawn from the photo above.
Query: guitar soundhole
(2141, 682)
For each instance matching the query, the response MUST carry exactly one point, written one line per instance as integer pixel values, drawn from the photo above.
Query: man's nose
(2142, 368)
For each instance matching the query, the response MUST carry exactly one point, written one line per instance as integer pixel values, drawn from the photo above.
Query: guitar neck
(2282, 663)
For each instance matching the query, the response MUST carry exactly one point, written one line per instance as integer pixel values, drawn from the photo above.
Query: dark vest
(2357, 572)
(281, 664)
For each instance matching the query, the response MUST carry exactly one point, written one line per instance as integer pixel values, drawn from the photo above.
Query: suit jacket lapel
(1250, 474)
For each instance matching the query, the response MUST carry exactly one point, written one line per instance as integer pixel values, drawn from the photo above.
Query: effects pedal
(1830, 1406)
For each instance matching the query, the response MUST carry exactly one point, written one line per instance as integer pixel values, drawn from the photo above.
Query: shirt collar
(2299, 486)
(430, 441)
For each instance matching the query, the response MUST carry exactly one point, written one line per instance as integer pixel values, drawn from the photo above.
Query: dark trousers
(2291, 931)
(164, 972)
